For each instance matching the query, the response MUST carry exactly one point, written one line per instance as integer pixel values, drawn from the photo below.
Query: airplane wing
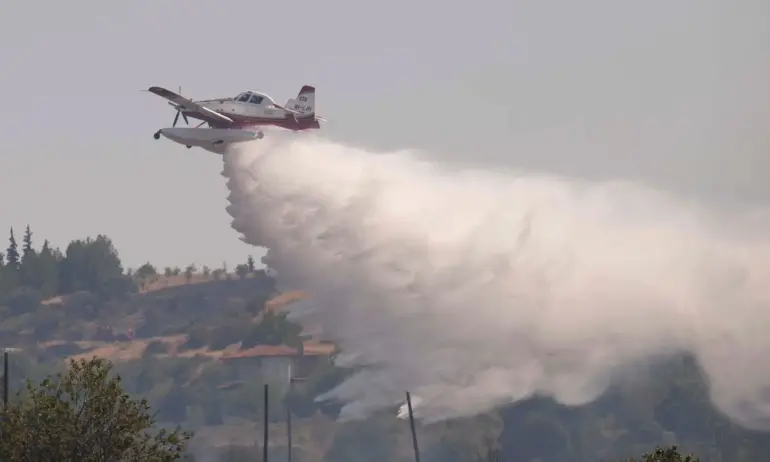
(189, 105)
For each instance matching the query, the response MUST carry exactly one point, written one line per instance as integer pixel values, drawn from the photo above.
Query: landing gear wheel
(156, 135)
(260, 135)
(188, 146)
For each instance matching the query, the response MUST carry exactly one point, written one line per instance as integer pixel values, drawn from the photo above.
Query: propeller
(178, 112)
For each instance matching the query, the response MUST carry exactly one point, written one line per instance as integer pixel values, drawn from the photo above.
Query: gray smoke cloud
(474, 289)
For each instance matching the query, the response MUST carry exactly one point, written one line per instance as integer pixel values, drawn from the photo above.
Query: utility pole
(264, 436)
(288, 417)
(411, 424)
(5, 378)
(289, 446)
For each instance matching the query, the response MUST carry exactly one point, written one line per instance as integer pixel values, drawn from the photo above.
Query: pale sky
(674, 93)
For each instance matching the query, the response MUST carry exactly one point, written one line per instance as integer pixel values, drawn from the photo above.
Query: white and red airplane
(238, 119)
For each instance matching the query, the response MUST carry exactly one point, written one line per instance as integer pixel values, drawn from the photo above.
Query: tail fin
(305, 102)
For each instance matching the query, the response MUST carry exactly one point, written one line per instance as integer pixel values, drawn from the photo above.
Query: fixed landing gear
(156, 135)
(188, 146)
(260, 135)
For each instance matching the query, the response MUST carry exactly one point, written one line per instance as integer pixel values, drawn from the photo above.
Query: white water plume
(474, 289)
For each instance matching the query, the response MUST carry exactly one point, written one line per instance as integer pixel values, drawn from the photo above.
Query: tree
(12, 254)
(27, 249)
(250, 263)
(242, 271)
(206, 271)
(145, 273)
(273, 329)
(10, 275)
(666, 455)
(189, 272)
(48, 270)
(84, 415)
(92, 265)
(29, 273)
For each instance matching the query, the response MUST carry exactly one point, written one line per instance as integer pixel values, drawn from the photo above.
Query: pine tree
(29, 271)
(12, 254)
(27, 249)
(10, 279)
(48, 269)
(250, 264)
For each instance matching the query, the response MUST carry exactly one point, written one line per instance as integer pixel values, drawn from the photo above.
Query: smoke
(474, 289)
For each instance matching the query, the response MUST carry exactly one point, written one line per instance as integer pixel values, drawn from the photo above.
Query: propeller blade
(176, 118)
(185, 119)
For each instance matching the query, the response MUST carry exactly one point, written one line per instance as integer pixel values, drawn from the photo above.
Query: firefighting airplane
(238, 119)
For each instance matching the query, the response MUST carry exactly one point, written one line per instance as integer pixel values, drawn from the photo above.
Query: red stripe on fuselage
(240, 121)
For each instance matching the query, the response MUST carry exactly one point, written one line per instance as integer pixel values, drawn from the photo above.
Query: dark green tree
(27, 248)
(92, 265)
(9, 279)
(250, 263)
(189, 272)
(146, 271)
(273, 329)
(84, 415)
(241, 271)
(12, 254)
(4, 286)
(670, 454)
(48, 270)
(29, 273)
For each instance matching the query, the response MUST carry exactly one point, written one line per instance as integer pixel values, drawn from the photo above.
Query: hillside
(199, 345)
(125, 332)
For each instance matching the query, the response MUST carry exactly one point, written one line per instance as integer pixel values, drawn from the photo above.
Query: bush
(49, 420)
(671, 454)
(198, 337)
(223, 336)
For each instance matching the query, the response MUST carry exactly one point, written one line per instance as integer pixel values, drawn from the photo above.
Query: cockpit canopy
(254, 97)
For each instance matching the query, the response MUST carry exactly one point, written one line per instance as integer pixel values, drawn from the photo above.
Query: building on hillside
(273, 362)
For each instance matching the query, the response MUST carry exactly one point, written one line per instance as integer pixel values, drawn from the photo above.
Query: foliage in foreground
(84, 415)
(670, 454)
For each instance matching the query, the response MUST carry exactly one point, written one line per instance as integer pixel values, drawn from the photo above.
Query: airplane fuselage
(245, 115)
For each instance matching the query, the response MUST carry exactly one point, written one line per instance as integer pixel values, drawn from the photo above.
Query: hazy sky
(675, 93)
